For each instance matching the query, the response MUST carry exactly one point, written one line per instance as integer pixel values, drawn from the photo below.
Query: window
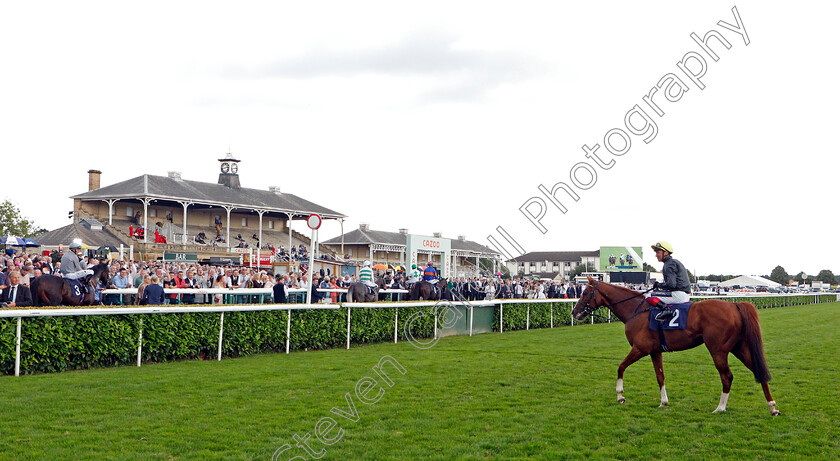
(153, 213)
(244, 222)
(129, 211)
(271, 224)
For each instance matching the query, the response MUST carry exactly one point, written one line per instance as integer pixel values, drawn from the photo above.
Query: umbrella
(380, 266)
(12, 240)
(31, 243)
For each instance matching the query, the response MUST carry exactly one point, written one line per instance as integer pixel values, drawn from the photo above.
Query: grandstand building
(389, 248)
(180, 210)
(552, 264)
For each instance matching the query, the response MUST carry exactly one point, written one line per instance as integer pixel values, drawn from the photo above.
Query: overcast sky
(447, 116)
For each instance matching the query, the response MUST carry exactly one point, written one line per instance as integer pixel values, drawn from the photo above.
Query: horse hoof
(775, 413)
(718, 410)
(621, 400)
(663, 405)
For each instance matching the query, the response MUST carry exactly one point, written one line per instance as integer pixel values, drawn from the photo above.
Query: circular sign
(313, 221)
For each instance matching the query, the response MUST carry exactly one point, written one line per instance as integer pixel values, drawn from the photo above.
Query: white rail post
(501, 318)
(396, 319)
(592, 320)
(435, 322)
(289, 327)
(572, 317)
(471, 319)
(140, 344)
(348, 328)
(551, 306)
(221, 332)
(17, 348)
(528, 318)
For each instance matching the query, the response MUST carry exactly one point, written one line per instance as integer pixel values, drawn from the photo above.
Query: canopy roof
(181, 190)
(749, 280)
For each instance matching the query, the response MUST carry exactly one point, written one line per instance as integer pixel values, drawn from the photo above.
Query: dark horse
(49, 290)
(722, 325)
(357, 292)
(425, 291)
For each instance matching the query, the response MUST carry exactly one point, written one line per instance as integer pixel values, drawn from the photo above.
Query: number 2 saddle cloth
(677, 321)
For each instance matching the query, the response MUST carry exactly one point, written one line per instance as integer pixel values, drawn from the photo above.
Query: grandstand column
(341, 221)
(227, 236)
(146, 202)
(289, 224)
(111, 211)
(185, 205)
(259, 244)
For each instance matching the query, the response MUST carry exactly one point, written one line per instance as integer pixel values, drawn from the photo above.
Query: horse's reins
(589, 310)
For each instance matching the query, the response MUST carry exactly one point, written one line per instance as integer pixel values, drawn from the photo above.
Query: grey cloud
(466, 74)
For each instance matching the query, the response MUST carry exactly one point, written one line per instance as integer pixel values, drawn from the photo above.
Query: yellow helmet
(663, 245)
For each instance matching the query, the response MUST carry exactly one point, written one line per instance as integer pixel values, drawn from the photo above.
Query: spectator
(153, 293)
(16, 294)
(279, 291)
(141, 288)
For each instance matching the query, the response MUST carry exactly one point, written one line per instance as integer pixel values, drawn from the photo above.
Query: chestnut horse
(722, 325)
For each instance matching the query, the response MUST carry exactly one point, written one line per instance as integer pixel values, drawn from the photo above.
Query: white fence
(221, 309)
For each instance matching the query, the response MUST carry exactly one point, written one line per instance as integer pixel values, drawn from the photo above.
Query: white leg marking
(724, 397)
(619, 389)
(663, 401)
(773, 410)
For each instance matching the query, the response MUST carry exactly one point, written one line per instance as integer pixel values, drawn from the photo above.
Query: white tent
(749, 280)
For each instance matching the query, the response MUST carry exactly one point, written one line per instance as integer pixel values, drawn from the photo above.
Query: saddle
(677, 321)
(79, 287)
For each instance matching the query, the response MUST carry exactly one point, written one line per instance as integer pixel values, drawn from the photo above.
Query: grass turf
(525, 394)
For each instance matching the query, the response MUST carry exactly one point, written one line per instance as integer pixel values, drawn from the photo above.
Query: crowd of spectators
(130, 274)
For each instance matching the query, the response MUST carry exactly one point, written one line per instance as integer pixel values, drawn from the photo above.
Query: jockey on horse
(430, 274)
(366, 276)
(71, 267)
(675, 289)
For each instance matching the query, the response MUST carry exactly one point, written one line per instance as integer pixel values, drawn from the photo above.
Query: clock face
(225, 167)
(234, 168)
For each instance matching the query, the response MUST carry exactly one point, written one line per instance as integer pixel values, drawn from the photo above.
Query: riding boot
(85, 281)
(666, 310)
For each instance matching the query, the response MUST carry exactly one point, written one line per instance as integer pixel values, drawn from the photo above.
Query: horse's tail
(752, 338)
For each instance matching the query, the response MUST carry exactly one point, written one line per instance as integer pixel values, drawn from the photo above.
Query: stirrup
(664, 314)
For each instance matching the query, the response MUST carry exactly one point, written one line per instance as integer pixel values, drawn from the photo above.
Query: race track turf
(546, 394)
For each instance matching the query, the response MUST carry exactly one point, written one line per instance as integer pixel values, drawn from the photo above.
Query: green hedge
(50, 344)
(516, 315)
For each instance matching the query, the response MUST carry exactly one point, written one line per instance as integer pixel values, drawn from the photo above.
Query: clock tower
(229, 171)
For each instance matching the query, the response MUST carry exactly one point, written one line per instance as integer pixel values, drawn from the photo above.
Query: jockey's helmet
(75, 246)
(414, 266)
(429, 264)
(367, 263)
(663, 245)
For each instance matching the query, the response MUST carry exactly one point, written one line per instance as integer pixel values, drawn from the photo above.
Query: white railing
(222, 308)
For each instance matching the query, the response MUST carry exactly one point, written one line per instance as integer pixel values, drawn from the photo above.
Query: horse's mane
(628, 292)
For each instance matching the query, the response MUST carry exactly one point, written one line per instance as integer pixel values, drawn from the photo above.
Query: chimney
(365, 227)
(437, 235)
(462, 238)
(93, 179)
(175, 174)
(274, 189)
(404, 231)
